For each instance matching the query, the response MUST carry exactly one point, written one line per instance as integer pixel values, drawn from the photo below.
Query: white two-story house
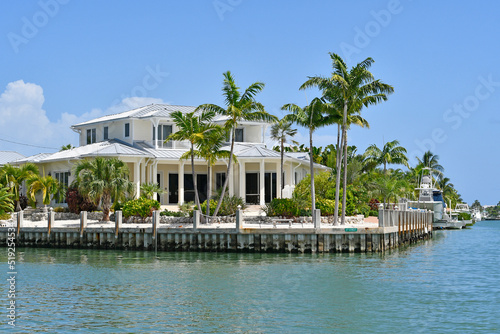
(138, 138)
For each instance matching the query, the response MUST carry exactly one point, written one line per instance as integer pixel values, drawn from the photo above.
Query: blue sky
(66, 61)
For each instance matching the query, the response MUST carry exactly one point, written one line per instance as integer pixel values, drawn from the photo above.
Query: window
(220, 178)
(163, 132)
(91, 136)
(105, 133)
(238, 135)
(63, 178)
(127, 129)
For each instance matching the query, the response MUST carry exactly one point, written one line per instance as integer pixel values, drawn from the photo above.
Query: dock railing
(411, 223)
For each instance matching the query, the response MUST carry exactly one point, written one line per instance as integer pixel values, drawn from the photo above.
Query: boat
(431, 198)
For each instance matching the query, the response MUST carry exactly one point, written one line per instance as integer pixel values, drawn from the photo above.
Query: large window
(164, 131)
(105, 133)
(63, 178)
(220, 178)
(91, 136)
(238, 135)
(127, 129)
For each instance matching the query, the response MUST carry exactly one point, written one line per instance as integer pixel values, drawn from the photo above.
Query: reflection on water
(447, 284)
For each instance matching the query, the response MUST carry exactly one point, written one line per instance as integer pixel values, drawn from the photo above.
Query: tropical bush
(169, 213)
(78, 203)
(323, 184)
(285, 207)
(6, 203)
(142, 207)
(464, 216)
(228, 207)
(326, 206)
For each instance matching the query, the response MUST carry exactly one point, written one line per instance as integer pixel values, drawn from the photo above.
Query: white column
(155, 172)
(137, 179)
(181, 183)
(278, 179)
(242, 177)
(262, 183)
(143, 172)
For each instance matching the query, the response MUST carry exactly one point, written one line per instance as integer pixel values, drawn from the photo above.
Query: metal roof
(33, 158)
(9, 156)
(150, 111)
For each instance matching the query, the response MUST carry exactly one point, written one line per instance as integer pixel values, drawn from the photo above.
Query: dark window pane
(127, 129)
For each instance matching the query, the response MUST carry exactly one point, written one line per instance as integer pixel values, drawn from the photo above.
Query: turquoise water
(450, 284)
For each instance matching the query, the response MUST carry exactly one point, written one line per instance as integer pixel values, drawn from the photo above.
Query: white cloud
(23, 119)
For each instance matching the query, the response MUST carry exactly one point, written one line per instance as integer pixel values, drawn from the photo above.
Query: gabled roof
(9, 156)
(243, 150)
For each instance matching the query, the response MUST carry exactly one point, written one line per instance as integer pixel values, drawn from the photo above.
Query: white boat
(431, 198)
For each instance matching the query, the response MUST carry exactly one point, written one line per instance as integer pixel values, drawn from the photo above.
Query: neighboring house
(138, 136)
(9, 156)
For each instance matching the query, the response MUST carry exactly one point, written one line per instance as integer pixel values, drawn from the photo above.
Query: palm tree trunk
(227, 174)
(106, 205)
(339, 168)
(344, 194)
(281, 175)
(311, 163)
(195, 184)
(209, 189)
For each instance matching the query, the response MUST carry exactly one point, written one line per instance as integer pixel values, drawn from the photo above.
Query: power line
(13, 142)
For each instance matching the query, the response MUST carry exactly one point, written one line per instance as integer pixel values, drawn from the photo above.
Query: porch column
(154, 176)
(278, 179)
(262, 183)
(181, 182)
(137, 179)
(242, 180)
(143, 172)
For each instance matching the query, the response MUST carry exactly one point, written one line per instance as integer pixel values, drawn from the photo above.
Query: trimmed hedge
(142, 207)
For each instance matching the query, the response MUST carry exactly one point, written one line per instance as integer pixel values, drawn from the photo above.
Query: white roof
(9, 156)
(150, 111)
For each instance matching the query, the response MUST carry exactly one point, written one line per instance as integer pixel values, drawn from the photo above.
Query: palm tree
(431, 161)
(15, 177)
(391, 153)
(447, 188)
(390, 186)
(149, 189)
(45, 184)
(209, 148)
(313, 116)
(67, 147)
(102, 179)
(351, 90)
(281, 131)
(239, 107)
(192, 127)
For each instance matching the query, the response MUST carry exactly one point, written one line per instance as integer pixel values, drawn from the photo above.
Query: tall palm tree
(102, 179)
(391, 153)
(239, 107)
(351, 90)
(210, 149)
(313, 116)
(15, 177)
(431, 161)
(47, 185)
(281, 131)
(192, 127)
(447, 188)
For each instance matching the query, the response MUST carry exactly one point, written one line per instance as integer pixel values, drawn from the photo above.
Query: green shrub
(286, 207)
(327, 206)
(228, 206)
(186, 208)
(4, 216)
(323, 186)
(169, 213)
(60, 209)
(464, 216)
(142, 207)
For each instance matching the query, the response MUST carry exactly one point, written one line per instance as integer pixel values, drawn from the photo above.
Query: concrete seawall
(239, 239)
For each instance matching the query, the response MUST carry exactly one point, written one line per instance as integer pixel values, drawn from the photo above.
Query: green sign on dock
(350, 229)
